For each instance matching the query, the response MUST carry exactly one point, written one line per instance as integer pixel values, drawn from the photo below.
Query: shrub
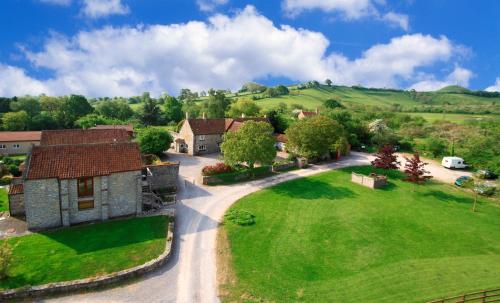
(240, 217)
(5, 258)
(219, 168)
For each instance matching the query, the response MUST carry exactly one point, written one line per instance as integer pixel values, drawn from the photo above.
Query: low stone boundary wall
(369, 181)
(90, 283)
(232, 177)
(284, 166)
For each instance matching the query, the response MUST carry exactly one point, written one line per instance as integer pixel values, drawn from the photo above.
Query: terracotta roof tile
(16, 189)
(207, 126)
(84, 136)
(19, 136)
(128, 127)
(309, 114)
(281, 138)
(236, 123)
(85, 160)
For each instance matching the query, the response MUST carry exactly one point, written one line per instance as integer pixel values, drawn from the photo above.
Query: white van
(453, 162)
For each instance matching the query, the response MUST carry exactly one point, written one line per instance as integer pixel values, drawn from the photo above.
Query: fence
(485, 296)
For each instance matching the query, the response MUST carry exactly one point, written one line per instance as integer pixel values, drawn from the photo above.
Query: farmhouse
(204, 136)
(16, 143)
(77, 176)
(303, 114)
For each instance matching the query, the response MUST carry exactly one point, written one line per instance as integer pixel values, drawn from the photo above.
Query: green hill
(314, 97)
(453, 89)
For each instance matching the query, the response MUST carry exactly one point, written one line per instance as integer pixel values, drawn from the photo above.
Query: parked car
(485, 188)
(461, 180)
(486, 174)
(453, 162)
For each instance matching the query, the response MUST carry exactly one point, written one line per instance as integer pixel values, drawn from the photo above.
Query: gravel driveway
(190, 275)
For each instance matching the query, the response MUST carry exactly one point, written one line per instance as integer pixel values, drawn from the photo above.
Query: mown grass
(326, 239)
(4, 200)
(85, 251)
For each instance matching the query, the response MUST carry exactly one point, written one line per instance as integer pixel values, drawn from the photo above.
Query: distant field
(456, 118)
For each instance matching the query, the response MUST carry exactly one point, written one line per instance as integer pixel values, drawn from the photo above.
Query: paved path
(190, 275)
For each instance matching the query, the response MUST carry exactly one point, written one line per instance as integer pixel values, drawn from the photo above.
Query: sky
(125, 47)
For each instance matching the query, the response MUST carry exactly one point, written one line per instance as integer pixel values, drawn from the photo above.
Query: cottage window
(202, 137)
(16, 145)
(85, 204)
(86, 187)
(2, 146)
(202, 147)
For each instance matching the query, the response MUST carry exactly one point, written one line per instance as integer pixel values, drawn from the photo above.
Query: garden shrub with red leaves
(219, 168)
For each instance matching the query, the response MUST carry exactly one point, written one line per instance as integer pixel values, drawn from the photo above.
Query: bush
(219, 168)
(5, 258)
(240, 217)
(154, 140)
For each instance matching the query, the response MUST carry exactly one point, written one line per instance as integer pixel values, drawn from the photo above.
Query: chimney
(317, 110)
(204, 116)
(243, 115)
(187, 115)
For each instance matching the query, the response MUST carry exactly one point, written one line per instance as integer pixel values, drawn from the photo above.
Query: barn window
(86, 187)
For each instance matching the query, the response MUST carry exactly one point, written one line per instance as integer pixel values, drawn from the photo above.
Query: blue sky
(125, 47)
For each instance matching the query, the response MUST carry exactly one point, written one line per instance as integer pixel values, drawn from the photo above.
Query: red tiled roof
(85, 160)
(19, 136)
(16, 189)
(207, 126)
(281, 138)
(83, 136)
(236, 123)
(128, 127)
(218, 126)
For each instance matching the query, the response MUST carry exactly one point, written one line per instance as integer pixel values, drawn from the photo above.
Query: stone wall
(124, 194)
(41, 199)
(211, 142)
(369, 181)
(95, 282)
(84, 215)
(163, 176)
(187, 134)
(16, 205)
(24, 147)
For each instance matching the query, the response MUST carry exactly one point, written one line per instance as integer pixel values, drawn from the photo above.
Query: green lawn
(455, 118)
(4, 200)
(85, 251)
(326, 239)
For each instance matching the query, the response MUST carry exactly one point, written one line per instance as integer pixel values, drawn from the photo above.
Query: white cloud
(224, 52)
(102, 8)
(350, 9)
(395, 19)
(57, 2)
(15, 82)
(459, 76)
(210, 5)
(347, 9)
(495, 87)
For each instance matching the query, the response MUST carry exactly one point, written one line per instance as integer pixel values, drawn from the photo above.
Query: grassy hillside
(314, 97)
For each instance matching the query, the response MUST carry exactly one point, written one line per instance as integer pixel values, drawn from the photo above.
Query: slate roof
(83, 160)
(84, 136)
(20, 136)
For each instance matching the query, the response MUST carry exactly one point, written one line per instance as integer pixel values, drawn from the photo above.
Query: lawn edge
(95, 282)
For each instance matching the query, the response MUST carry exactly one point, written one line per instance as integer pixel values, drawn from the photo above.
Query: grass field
(456, 118)
(85, 251)
(4, 200)
(326, 239)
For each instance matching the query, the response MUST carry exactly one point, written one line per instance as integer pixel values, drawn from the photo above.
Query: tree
(282, 90)
(332, 103)
(5, 104)
(253, 87)
(191, 109)
(277, 121)
(28, 104)
(244, 106)
(314, 137)
(154, 140)
(116, 109)
(415, 170)
(5, 258)
(386, 158)
(252, 143)
(150, 112)
(15, 120)
(435, 146)
(172, 109)
(42, 121)
(187, 94)
(216, 105)
(73, 108)
(328, 82)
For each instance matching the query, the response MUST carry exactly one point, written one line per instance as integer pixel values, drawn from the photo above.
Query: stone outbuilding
(18, 143)
(16, 197)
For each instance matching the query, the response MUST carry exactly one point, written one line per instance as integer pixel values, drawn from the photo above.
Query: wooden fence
(485, 296)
